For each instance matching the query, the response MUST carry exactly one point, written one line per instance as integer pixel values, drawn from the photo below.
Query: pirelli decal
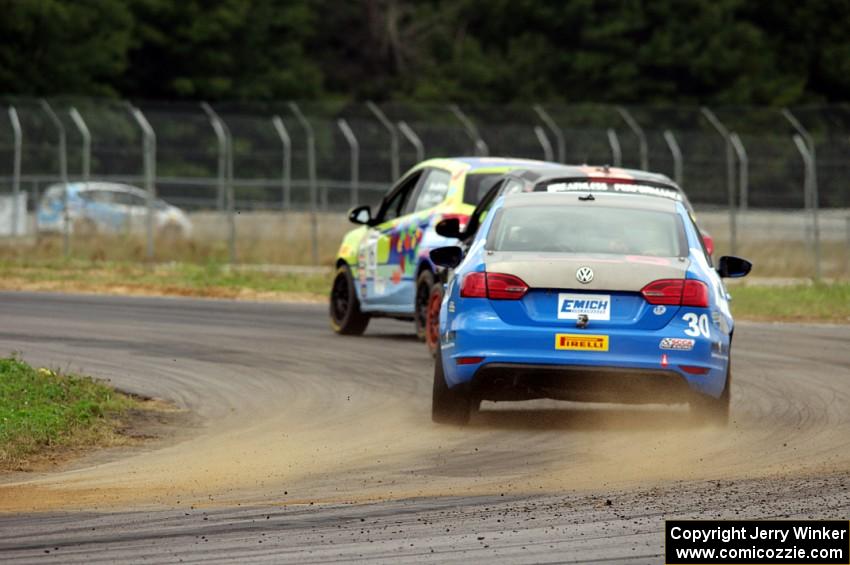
(581, 342)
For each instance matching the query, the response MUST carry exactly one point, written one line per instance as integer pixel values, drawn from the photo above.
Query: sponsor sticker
(590, 186)
(581, 342)
(677, 343)
(594, 306)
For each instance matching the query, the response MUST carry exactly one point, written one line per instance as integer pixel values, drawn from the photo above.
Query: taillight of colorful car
(463, 219)
(708, 240)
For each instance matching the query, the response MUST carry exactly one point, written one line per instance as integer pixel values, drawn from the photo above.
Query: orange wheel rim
(432, 324)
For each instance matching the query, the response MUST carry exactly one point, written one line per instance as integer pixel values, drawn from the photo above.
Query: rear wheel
(715, 411)
(448, 405)
(346, 317)
(432, 319)
(424, 284)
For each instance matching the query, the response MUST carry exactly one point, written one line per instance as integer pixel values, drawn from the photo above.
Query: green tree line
(490, 51)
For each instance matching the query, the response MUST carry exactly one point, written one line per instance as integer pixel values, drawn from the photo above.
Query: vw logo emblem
(584, 275)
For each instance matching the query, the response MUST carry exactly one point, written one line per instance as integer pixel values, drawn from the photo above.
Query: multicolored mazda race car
(383, 267)
(588, 296)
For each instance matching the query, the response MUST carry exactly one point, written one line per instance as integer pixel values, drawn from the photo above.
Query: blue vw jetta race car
(564, 178)
(598, 297)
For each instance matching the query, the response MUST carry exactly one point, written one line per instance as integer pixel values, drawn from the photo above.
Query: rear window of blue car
(596, 229)
(477, 185)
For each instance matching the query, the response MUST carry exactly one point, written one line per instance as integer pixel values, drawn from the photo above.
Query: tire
(715, 411)
(345, 314)
(424, 284)
(448, 405)
(432, 319)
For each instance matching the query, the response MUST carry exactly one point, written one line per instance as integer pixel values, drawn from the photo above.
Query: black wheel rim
(340, 298)
(423, 293)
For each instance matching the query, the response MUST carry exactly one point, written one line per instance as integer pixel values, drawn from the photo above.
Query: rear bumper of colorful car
(497, 360)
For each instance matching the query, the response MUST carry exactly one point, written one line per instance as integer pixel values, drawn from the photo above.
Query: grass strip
(796, 303)
(43, 412)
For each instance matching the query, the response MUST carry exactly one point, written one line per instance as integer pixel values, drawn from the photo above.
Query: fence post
(149, 150)
(810, 142)
(354, 157)
(286, 173)
(311, 172)
(808, 187)
(743, 171)
(86, 135)
(676, 152)
(414, 140)
(548, 154)
(221, 137)
(63, 174)
(616, 151)
(730, 175)
(226, 195)
(638, 131)
(16, 168)
(394, 166)
(556, 131)
(481, 148)
(812, 199)
(231, 198)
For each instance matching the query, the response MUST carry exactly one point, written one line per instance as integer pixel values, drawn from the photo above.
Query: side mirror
(449, 256)
(708, 240)
(360, 215)
(733, 267)
(449, 227)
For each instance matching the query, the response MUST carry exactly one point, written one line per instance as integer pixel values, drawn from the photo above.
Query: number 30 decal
(697, 325)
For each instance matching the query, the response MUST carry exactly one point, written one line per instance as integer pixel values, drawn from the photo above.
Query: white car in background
(108, 208)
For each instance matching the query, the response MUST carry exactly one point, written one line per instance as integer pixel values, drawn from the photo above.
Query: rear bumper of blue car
(498, 361)
(515, 381)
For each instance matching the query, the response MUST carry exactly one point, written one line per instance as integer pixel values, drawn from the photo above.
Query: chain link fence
(268, 182)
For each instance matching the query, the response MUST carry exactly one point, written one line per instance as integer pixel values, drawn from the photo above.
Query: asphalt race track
(309, 447)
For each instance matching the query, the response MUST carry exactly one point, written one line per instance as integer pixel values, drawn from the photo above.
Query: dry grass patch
(213, 280)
